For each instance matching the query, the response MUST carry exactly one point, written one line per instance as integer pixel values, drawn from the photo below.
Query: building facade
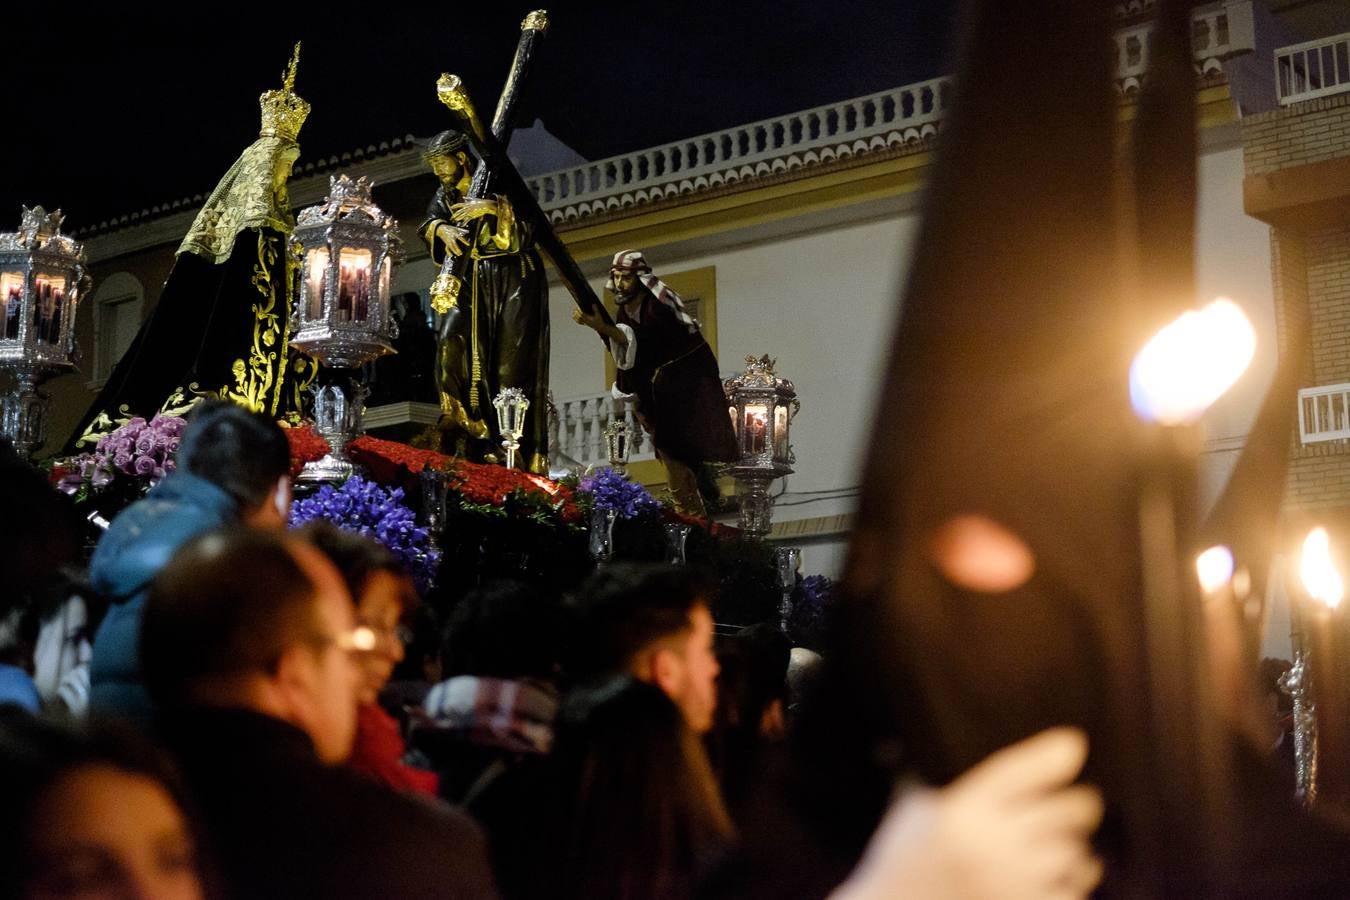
(794, 236)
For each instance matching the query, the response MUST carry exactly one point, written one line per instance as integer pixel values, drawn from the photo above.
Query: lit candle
(13, 298)
(344, 293)
(1328, 644)
(756, 428)
(42, 309)
(314, 282)
(1191, 362)
(361, 292)
(1215, 569)
(58, 300)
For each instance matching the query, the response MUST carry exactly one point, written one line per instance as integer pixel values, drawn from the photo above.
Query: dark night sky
(113, 111)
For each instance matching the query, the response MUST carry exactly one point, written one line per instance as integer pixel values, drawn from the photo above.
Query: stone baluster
(576, 415)
(587, 411)
(603, 410)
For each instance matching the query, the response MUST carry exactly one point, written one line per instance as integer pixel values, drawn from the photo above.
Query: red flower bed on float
(390, 462)
(306, 446)
(506, 523)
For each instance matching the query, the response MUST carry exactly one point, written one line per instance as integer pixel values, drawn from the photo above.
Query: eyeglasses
(368, 637)
(362, 639)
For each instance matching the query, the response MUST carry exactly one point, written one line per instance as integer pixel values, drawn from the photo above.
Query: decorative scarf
(634, 261)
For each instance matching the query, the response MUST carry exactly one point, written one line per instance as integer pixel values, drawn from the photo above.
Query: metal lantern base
(23, 413)
(331, 468)
(338, 410)
(756, 518)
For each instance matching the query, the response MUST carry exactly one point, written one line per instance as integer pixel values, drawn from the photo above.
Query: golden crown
(283, 111)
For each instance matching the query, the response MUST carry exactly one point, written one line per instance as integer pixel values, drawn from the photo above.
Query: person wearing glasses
(382, 592)
(251, 651)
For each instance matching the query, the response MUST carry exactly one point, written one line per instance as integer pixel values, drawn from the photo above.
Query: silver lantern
(347, 247)
(41, 279)
(619, 443)
(511, 405)
(762, 407)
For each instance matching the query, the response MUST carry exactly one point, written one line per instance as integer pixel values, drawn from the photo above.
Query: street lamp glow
(1191, 362)
(1214, 568)
(1319, 574)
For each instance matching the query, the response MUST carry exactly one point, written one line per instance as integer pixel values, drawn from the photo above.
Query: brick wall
(1294, 135)
(1327, 258)
(1311, 269)
(1312, 273)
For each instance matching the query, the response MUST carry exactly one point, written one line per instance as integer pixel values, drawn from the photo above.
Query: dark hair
(35, 754)
(504, 629)
(356, 556)
(754, 664)
(641, 815)
(243, 453)
(229, 602)
(33, 555)
(624, 608)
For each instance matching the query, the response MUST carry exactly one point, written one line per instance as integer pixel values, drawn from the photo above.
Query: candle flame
(1214, 567)
(1191, 362)
(1319, 574)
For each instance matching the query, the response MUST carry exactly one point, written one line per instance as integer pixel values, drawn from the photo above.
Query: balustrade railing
(914, 112)
(1313, 69)
(917, 107)
(1324, 413)
(581, 424)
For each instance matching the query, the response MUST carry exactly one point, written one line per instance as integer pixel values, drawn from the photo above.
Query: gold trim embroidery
(253, 380)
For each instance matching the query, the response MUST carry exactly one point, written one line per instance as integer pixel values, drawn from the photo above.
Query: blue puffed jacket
(131, 552)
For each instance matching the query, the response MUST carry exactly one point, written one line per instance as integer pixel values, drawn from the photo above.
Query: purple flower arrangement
(609, 489)
(139, 450)
(379, 513)
(812, 600)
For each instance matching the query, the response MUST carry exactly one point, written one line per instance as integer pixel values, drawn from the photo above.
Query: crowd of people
(265, 716)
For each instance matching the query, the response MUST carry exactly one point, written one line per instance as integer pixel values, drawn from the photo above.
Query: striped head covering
(634, 261)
